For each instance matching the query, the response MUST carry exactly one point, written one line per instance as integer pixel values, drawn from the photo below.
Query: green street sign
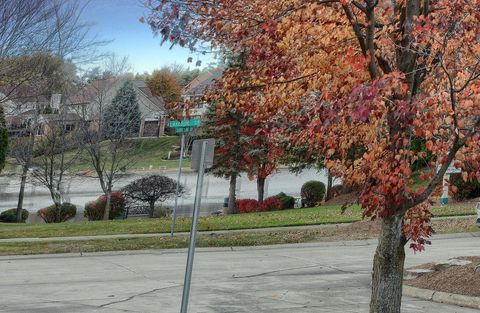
(183, 130)
(194, 122)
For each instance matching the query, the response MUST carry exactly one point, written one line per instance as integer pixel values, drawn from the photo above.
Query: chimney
(55, 100)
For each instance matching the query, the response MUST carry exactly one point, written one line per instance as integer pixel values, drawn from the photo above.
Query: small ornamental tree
(384, 73)
(152, 189)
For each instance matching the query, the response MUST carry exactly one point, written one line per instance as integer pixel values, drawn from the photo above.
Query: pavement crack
(277, 271)
(128, 269)
(136, 295)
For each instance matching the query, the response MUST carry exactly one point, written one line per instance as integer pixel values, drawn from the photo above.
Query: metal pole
(180, 163)
(193, 232)
(445, 182)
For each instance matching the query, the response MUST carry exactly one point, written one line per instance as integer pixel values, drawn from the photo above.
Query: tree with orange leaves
(376, 74)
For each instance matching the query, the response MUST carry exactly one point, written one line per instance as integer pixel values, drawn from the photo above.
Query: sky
(118, 21)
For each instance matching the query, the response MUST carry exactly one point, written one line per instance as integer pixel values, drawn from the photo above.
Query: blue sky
(118, 20)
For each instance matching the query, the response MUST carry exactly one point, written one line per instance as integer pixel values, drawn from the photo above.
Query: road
(306, 278)
(80, 190)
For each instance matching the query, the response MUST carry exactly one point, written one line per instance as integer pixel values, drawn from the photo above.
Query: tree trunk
(232, 194)
(152, 209)
(21, 194)
(387, 277)
(329, 186)
(106, 214)
(58, 211)
(260, 188)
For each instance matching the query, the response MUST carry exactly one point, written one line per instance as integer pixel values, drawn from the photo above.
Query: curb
(442, 297)
(319, 245)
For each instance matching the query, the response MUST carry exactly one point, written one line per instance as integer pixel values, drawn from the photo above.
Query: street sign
(451, 169)
(194, 122)
(197, 153)
(183, 130)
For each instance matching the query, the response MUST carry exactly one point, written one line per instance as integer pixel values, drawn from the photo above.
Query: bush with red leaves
(251, 205)
(246, 205)
(271, 204)
(95, 210)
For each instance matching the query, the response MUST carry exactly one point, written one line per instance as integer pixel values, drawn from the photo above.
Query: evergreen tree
(225, 126)
(122, 118)
(3, 139)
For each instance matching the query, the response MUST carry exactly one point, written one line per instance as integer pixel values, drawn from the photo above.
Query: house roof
(92, 89)
(205, 80)
(23, 94)
(143, 87)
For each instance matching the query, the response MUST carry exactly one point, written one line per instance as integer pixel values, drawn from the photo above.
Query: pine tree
(122, 118)
(225, 126)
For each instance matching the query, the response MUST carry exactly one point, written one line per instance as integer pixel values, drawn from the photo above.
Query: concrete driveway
(321, 277)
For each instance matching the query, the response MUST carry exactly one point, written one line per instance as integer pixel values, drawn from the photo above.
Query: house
(98, 94)
(38, 115)
(195, 90)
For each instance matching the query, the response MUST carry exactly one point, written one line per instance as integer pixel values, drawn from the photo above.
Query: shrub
(251, 205)
(95, 210)
(312, 193)
(465, 190)
(10, 216)
(287, 202)
(51, 215)
(270, 204)
(162, 212)
(246, 205)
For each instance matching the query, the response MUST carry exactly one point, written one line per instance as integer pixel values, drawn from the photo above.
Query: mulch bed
(461, 280)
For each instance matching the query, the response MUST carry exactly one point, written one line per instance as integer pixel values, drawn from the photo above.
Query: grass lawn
(355, 231)
(293, 217)
(146, 152)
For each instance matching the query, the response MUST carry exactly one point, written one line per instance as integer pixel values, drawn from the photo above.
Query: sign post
(478, 214)
(202, 158)
(181, 127)
(180, 163)
(446, 182)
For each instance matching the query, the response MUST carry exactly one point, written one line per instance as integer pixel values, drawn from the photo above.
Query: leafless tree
(108, 155)
(57, 153)
(41, 27)
(116, 66)
(32, 100)
(21, 150)
(36, 36)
